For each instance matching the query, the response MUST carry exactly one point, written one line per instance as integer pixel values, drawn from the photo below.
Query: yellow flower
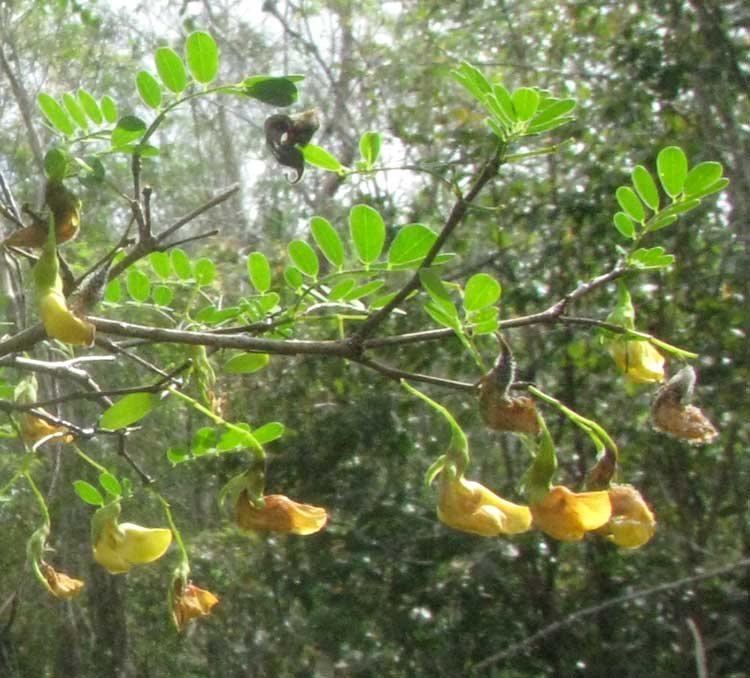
(632, 523)
(190, 602)
(60, 323)
(60, 584)
(34, 429)
(279, 514)
(567, 516)
(119, 547)
(639, 360)
(470, 507)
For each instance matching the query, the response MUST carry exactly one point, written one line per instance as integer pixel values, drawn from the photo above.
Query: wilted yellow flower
(35, 428)
(567, 515)
(632, 523)
(279, 514)
(673, 414)
(508, 414)
(60, 584)
(119, 547)
(639, 360)
(470, 507)
(60, 322)
(190, 602)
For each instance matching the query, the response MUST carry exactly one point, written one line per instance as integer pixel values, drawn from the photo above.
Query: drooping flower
(279, 514)
(33, 429)
(60, 584)
(119, 547)
(632, 523)
(61, 323)
(567, 515)
(190, 602)
(471, 507)
(516, 414)
(639, 360)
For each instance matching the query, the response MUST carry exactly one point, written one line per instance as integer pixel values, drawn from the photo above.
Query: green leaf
(315, 155)
(176, 456)
(162, 295)
(56, 163)
(304, 257)
(624, 225)
(555, 110)
(75, 111)
(113, 292)
(653, 257)
(501, 104)
(246, 363)
(328, 240)
(702, 176)
(149, 89)
(671, 165)
(232, 438)
(442, 315)
(367, 231)
(381, 301)
(89, 105)
(92, 176)
(662, 222)
(128, 129)
(138, 285)
(364, 290)
(205, 271)
(271, 90)
(128, 410)
(680, 207)
(109, 109)
(630, 202)
(110, 484)
(160, 263)
(181, 264)
(269, 301)
(433, 285)
(293, 277)
(269, 432)
(472, 80)
(525, 103)
(481, 290)
(411, 244)
(144, 150)
(204, 441)
(717, 186)
(88, 493)
(646, 186)
(369, 147)
(341, 289)
(171, 70)
(484, 321)
(55, 113)
(259, 271)
(202, 56)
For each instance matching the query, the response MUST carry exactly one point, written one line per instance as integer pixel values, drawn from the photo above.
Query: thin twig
(397, 374)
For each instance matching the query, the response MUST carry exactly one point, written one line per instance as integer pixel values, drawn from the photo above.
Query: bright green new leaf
(202, 56)
(293, 277)
(433, 285)
(205, 271)
(304, 257)
(672, 165)
(109, 109)
(181, 264)
(646, 186)
(271, 90)
(234, 438)
(624, 225)
(341, 289)
(128, 410)
(702, 176)
(259, 271)
(110, 484)
(556, 109)
(481, 290)
(269, 432)
(171, 70)
(55, 114)
(368, 232)
(364, 290)
(138, 285)
(653, 257)
(631, 203)
(128, 129)
(662, 222)
(88, 493)
(315, 155)
(502, 104)
(56, 163)
(162, 295)
(149, 89)
(472, 80)
(411, 244)
(717, 186)
(89, 105)
(113, 291)
(328, 240)
(177, 456)
(525, 103)
(484, 321)
(75, 111)
(679, 208)
(369, 147)
(160, 263)
(246, 363)
(443, 315)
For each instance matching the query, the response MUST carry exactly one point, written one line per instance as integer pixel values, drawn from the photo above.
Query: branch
(612, 602)
(395, 373)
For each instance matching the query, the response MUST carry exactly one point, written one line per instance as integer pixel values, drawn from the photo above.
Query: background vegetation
(386, 589)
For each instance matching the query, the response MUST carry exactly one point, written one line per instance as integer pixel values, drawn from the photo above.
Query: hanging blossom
(119, 547)
(567, 516)
(279, 513)
(190, 602)
(632, 523)
(471, 507)
(639, 360)
(59, 583)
